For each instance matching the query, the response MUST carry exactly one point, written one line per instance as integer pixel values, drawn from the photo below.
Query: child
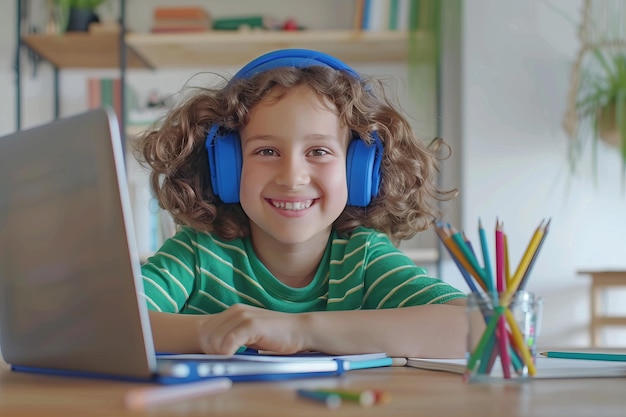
(291, 183)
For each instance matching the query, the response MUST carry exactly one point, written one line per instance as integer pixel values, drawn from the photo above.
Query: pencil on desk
(590, 356)
(140, 398)
(365, 398)
(381, 397)
(330, 400)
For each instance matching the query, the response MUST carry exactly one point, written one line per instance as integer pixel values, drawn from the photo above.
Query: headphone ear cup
(225, 161)
(363, 171)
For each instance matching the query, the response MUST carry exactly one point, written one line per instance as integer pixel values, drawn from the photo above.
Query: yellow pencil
(523, 265)
(518, 339)
(507, 269)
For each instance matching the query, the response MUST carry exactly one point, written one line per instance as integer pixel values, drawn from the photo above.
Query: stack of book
(180, 19)
(383, 15)
(107, 92)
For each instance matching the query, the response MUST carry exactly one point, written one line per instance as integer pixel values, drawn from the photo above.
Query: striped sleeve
(170, 274)
(393, 280)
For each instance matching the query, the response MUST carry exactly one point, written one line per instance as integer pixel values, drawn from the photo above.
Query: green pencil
(365, 398)
(591, 356)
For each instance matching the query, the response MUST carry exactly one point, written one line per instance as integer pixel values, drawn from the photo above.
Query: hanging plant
(600, 106)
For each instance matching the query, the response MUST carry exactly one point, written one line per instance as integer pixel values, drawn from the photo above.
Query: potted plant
(77, 15)
(598, 109)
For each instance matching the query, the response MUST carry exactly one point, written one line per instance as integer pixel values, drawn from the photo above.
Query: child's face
(293, 179)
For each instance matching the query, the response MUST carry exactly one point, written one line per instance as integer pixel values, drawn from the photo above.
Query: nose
(292, 172)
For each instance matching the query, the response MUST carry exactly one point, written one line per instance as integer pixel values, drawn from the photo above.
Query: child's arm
(424, 331)
(427, 331)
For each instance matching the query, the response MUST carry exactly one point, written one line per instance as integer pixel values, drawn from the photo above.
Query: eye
(266, 152)
(318, 152)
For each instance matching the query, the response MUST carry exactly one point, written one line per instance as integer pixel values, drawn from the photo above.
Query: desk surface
(415, 392)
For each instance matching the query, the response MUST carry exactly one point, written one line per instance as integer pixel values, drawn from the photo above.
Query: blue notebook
(70, 282)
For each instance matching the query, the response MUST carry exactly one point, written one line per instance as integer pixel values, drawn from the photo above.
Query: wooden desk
(601, 281)
(415, 393)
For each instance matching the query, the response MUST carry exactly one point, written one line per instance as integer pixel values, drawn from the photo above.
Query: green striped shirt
(200, 273)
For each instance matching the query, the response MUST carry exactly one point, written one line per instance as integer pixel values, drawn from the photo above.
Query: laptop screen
(68, 264)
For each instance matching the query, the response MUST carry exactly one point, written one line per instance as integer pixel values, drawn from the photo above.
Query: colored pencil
(502, 336)
(365, 398)
(330, 400)
(500, 272)
(456, 256)
(457, 238)
(518, 338)
(523, 265)
(590, 356)
(501, 332)
(524, 280)
(507, 263)
(381, 397)
(484, 340)
(485, 249)
(139, 398)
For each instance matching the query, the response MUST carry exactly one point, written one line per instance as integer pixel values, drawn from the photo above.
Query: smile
(292, 205)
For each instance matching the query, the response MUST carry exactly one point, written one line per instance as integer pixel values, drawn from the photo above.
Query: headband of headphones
(296, 58)
(224, 148)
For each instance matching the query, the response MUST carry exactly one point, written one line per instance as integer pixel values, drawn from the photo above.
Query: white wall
(516, 62)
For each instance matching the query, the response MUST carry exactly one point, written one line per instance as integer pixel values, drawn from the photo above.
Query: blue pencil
(463, 271)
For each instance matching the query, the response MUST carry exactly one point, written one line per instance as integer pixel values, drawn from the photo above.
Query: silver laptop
(70, 279)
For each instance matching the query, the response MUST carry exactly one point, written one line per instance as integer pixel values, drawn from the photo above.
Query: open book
(271, 360)
(547, 368)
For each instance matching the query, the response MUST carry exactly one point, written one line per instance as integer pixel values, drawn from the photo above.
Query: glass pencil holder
(502, 336)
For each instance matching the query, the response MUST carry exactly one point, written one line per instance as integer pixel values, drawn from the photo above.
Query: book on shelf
(180, 12)
(382, 15)
(107, 92)
(180, 19)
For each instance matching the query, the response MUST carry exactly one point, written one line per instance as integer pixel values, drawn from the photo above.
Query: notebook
(70, 279)
(547, 368)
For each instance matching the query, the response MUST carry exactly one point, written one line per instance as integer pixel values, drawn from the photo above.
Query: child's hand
(256, 328)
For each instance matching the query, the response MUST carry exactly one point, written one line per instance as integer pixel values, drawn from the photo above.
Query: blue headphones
(224, 147)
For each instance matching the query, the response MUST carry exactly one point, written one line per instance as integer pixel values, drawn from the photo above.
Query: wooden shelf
(82, 50)
(237, 48)
(156, 50)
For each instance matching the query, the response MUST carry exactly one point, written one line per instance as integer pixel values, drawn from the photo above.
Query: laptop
(70, 281)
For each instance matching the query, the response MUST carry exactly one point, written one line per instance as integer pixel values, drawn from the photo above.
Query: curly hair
(174, 149)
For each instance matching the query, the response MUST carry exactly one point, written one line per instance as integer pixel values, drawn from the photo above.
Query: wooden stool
(602, 281)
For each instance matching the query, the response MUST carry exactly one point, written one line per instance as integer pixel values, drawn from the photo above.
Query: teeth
(292, 205)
